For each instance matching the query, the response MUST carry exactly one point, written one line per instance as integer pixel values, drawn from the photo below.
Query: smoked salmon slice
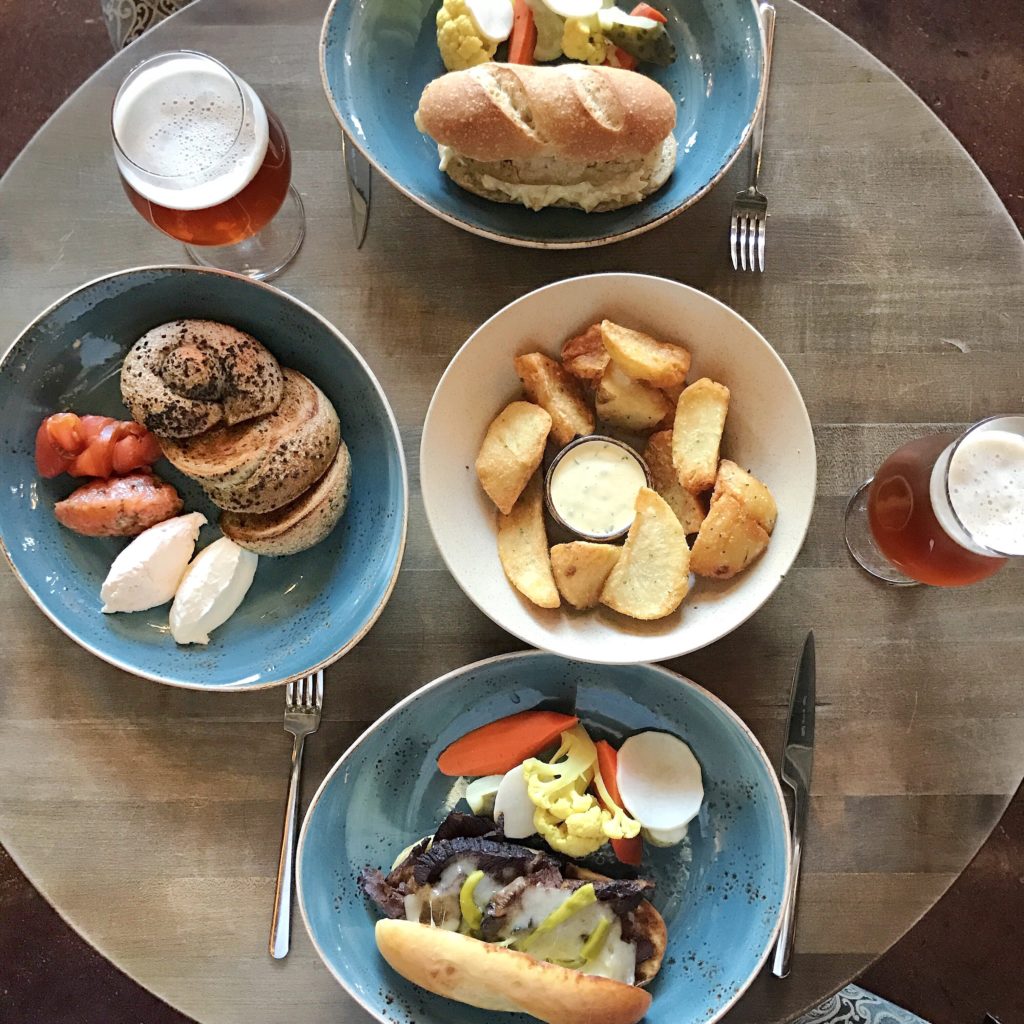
(93, 446)
(120, 507)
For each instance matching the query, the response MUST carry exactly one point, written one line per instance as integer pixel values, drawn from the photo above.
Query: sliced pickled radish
(665, 836)
(481, 794)
(513, 808)
(659, 781)
(493, 18)
(574, 8)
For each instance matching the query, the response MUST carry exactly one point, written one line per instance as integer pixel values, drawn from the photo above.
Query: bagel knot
(183, 378)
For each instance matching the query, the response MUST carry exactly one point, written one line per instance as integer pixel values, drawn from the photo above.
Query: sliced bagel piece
(184, 377)
(226, 456)
(262, 465)
(300, 524)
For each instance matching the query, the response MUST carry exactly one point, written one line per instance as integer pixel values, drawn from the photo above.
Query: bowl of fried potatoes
(714, 520)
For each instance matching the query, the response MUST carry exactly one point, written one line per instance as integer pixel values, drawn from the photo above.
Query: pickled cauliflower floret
(615, 822)
(582, 39)
(570, 819)
(458, 38)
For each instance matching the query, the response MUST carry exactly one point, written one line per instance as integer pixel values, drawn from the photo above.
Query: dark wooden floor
(965, 58)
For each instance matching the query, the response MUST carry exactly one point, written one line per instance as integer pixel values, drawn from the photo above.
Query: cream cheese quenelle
(593, 486)
(211, 590)
(147, 573)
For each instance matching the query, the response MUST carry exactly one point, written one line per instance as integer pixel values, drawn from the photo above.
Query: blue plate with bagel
(377, 57)
(303, 610)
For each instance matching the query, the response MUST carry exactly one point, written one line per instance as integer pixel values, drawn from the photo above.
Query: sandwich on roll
(593, 138)
(476, 918)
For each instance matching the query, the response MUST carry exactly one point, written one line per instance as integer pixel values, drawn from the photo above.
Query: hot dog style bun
(495, 978)
(594, 138)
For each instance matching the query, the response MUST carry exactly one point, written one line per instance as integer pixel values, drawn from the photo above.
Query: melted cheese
(617, 958)
(439, 905)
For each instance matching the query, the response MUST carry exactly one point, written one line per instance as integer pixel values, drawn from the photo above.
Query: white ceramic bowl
(768, 431)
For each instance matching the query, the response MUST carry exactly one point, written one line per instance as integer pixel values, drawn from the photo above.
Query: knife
(357, 170)
(797, 761)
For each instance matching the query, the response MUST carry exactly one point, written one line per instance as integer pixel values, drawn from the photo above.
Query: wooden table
(150, 817)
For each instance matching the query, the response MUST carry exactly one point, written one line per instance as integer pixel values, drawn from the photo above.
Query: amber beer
(199, 154)
(948, 511)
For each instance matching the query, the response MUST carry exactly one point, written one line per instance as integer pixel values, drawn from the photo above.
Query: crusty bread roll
(595, 138)
(262, 464)
(185, 377)
(301, 523)
(573, 111)
(495, 978)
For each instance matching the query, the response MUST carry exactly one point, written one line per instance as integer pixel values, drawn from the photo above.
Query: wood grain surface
(150, 817)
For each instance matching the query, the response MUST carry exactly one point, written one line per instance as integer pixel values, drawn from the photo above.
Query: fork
(750, 207)
(304, 700)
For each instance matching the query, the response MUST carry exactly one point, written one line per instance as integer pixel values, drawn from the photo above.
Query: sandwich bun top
(495, 978)
(515, 112)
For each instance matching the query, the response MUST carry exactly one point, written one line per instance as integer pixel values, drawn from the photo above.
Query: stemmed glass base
(265, 254)
(861, 542)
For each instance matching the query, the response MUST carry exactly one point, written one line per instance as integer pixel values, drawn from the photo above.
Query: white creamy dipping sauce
(594, 487)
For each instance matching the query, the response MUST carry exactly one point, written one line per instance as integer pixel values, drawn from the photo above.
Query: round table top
(151, 817)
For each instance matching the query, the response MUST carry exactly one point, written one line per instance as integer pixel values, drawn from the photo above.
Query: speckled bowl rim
(442, 681)
(536, 243)
(68, 629)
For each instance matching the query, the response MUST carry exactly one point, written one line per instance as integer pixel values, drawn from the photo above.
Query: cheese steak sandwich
(495, 924)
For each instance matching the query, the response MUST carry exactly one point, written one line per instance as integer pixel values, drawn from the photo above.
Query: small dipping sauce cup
(591, 487)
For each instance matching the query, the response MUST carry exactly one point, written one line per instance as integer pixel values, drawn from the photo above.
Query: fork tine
(307, 692)
(733, 234)
(755, 227)
(763, 227)
(320, 689)
(289, 697)
(743, 241)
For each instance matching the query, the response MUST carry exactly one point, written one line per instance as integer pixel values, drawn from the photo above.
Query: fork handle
(281, 926)
(757, 138)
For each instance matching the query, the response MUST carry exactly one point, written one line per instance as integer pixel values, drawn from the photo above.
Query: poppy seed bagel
(187, 376)
(262, 464)
(300, 524)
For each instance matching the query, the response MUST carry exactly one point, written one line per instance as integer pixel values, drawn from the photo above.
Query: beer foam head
(986, 488)
(189, 134)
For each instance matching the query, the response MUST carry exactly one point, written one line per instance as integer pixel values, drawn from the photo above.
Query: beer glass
(203, 159)
(943, 510)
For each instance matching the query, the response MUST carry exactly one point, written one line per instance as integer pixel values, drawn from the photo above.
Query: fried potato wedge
(689, 509)
(652, 575)
(553, 388)
(645, 358)
(523, 547)
(697, 433)
(728, 541)
(585, 356)
(581, 568)
(630, 404)
(512, 449)
(753, 495)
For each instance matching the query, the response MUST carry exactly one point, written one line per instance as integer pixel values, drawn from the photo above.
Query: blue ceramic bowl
(377, 56)
(720, 891)
(303, 611)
